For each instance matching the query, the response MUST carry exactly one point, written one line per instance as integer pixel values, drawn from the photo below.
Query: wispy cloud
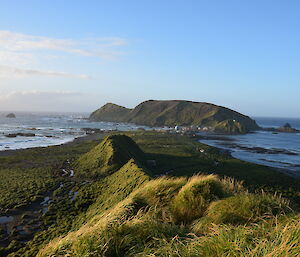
(19, 53)
(12, 72)
(98, 47)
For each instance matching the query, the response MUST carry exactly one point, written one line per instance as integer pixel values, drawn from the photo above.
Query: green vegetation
(108, 156)
(26, 174)
(182, 113)
(187, 201)
(193, 199)
(109, 111)
(230, 126)
(18, 187)
(148, 228)
(242, 209)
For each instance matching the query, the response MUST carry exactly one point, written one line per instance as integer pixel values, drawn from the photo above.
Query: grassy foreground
(153, 194)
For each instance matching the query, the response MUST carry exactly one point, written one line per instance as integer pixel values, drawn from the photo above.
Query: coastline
(76, 140)
(99, 135)
(287, 172)
(265, 149)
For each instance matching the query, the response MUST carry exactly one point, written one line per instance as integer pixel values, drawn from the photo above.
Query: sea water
(288, 142)
(49, 129)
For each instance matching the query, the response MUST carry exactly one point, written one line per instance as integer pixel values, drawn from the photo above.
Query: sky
(74, 56)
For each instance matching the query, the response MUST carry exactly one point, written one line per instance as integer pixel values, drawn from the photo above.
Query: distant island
(11, 115)
(175, 113)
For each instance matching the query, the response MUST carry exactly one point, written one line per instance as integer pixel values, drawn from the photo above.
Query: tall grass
(242, 209)
(160, 191)
(193, 199)
(232, 223)
(267, 239)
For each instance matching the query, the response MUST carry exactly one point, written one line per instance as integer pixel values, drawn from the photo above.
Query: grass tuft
(193, 199)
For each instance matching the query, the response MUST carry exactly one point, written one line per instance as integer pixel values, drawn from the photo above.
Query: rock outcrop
(11, 115)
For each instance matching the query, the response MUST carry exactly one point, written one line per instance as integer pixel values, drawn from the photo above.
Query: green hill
(110, 112)
(107, 157)
(178, 113)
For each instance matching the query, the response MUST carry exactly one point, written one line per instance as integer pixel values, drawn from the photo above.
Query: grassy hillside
(191, 202)
(111, 154)
(186, 217)
(182, 113)
(93, 197)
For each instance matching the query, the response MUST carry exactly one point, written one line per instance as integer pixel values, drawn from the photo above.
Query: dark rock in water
(11, 115)
(21, 135)
(287, 128)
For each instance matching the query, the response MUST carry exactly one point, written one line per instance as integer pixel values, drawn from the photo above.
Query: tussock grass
(274, 238)
(132, 236)
(75, 242)
(193, 199)
(159, 191)
(233, 223)
(242, 209)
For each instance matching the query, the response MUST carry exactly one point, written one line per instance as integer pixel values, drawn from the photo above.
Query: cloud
(12, 72)
(20, 53)
(97, 47)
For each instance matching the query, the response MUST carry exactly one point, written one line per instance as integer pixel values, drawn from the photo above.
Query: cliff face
(177, 112)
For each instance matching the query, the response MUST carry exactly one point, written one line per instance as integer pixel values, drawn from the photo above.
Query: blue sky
(78, 55)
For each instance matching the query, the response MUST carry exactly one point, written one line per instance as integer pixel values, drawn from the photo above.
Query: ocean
(279, 150)
(49, 129)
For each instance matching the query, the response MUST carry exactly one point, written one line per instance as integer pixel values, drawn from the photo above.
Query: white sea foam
(49, 129)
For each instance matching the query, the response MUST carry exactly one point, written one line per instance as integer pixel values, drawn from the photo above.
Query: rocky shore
(259, 149)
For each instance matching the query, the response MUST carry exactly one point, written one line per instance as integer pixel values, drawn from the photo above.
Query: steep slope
(92, 201)
(110, 155)
(182, 113)
(112, 189)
